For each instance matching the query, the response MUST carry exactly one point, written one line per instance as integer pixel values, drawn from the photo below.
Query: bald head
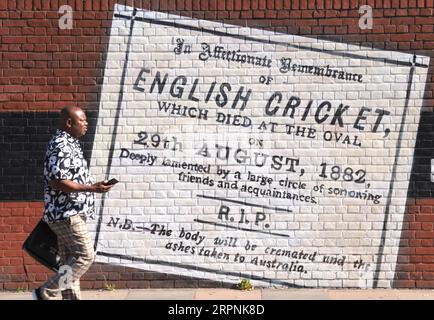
(73, 120)
(69, 112)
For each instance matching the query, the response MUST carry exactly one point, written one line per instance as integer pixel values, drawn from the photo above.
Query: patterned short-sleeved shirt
(64, 160)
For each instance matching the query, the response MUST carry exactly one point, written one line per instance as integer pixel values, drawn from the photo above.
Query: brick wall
(43, 68)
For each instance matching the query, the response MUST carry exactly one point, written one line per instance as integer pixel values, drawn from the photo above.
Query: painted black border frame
(413, 64)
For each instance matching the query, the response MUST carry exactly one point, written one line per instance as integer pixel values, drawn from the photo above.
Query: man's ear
(69, 123)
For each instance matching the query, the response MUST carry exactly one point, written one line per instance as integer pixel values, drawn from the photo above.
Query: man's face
(78, 124)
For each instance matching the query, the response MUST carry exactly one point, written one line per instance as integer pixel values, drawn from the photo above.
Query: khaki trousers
(76, 256)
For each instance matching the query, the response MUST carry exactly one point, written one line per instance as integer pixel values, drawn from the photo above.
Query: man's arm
(69, 186)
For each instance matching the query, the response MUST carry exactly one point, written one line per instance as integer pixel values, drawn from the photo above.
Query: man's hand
(71, 186)
(101, 187)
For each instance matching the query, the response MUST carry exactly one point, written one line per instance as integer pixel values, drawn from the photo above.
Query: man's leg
(74, 293)
(79, 256)
(50, 289)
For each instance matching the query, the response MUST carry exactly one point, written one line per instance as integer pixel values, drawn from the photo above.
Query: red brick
(428, 45)
(5, 244)
(427, 12)
(4, 229)
(414, 225)
(63, 39)
(16, 73)
(408, 267)
(16, 261)
(38, 39)
(258, 14)
(424, 20)
(40, 56)
(402, 276)
(5, 212)
(87, 284)
(424, 234)
(404, 284)
(246, 14)
(16, 229)
(428, 260)
(17, 237)
(427, 267)
(378, 37)
(426, 36)
(14, 23)
(424, 284)
(14, 286)
(14, 253)
(427, 226)
(41, 277)
(16, 97)
(15, 56)
(426, 209)
(411, 242)
(425, 217)
(401, 37)
(41, 106)
(424, 250)
(270, 14)
(36, 205)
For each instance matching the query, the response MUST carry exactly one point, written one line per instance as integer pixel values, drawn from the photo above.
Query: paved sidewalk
(231, 294)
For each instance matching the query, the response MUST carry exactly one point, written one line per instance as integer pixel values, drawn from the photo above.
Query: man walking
(69, 200)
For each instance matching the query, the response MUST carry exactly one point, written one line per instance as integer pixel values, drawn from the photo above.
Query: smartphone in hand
(111, 182)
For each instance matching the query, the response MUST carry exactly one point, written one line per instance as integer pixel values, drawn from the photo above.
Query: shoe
(36, 294)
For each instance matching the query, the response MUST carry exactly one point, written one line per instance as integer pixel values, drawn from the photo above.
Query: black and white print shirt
(64, 160)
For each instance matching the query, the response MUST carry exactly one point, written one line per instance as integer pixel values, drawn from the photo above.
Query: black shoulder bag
(41, 245)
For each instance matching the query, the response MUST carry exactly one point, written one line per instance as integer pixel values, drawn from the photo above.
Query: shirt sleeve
(59, 164)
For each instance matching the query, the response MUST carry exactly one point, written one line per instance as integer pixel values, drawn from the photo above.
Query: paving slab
(294, 294)
(381, 294)
(231, 294)
(361, 294)
(161, 294)
(104, 294)
(7, 295)
(414, 295)
(227, 294)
